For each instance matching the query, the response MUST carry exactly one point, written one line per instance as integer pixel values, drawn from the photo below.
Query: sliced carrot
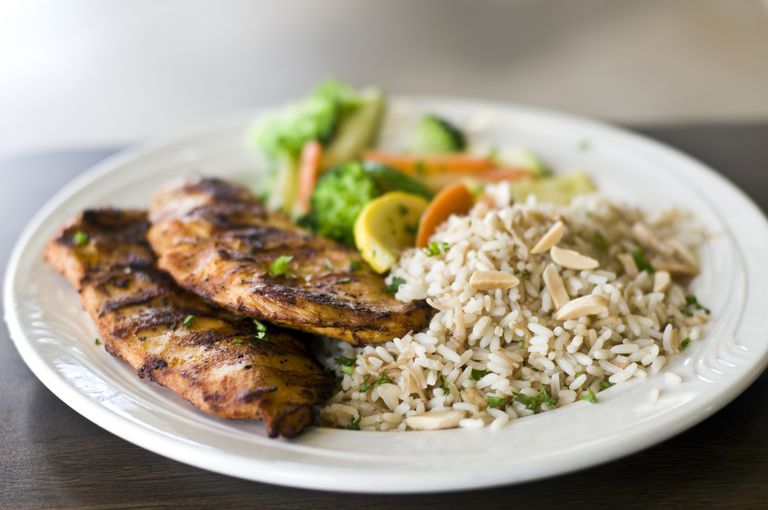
(437, 182)
(503, 174)
(455, 198)
(309, 169)
(431, 164)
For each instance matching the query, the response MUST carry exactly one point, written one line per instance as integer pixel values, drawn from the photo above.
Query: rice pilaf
(536, 306)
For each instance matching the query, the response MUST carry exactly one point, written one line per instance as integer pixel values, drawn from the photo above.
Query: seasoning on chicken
(224, 364)
(218, 241)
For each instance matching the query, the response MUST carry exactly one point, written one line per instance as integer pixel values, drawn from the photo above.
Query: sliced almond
(488, 280)
(388, 393)
(473, 396)
(670, 340)
(661, 281)
(411, 384)
(514, 360)
(628, 261)
(435, 420)
(571, 259)
(675, 268)
(683, 252)
(650, 240)
(551, 238)
(555, 286)
(415, 381)
(579, 307)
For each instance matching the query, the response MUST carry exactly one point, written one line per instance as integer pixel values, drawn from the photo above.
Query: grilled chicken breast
(210, 357)
(219, 242)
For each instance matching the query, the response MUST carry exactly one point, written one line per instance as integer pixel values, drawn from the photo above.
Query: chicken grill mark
(218, 241)
(213, 360)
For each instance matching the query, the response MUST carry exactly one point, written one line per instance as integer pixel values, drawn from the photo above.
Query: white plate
(55, 337)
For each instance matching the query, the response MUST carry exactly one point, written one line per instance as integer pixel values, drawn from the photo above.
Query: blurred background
(85, 72)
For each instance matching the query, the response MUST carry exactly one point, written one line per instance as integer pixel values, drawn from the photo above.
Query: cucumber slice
(435, 135)
(388, 179)
(285, 185)
(559, 189)
(524, 159)
(357, 130)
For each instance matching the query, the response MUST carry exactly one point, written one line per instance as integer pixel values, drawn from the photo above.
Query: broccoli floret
(315, 117)
(286, 132)
(343, 119)
(338, 198)
(341, 193)
(345, 96)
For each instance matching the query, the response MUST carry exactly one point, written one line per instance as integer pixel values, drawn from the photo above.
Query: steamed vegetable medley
(327, 173)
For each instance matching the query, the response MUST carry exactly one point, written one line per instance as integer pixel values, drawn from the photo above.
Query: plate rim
(136, 433)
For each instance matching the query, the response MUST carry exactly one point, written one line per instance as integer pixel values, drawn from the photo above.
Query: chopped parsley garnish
(496, 402)
(534, 403)
(549, 400)
(366, 385)
(395, 284)
(347, 364)
(261, 330)
(403, 210)
(354, 423)
(189, 320)
(525, 274)
(354, 265)
(600, 243)
(685, 342)
(383, 378)
(605, 384)
(328, 264)
(280, 266)
(237, 341)
(411, 229)
(476, 374)
(692, 303)
(640, 261)
(435, 248)
(97, 341)
(443, 386)
(80, 238)
(343, 360)
(590, 397)
(584, 145)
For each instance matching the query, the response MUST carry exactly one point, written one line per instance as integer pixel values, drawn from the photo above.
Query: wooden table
(51, 457)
